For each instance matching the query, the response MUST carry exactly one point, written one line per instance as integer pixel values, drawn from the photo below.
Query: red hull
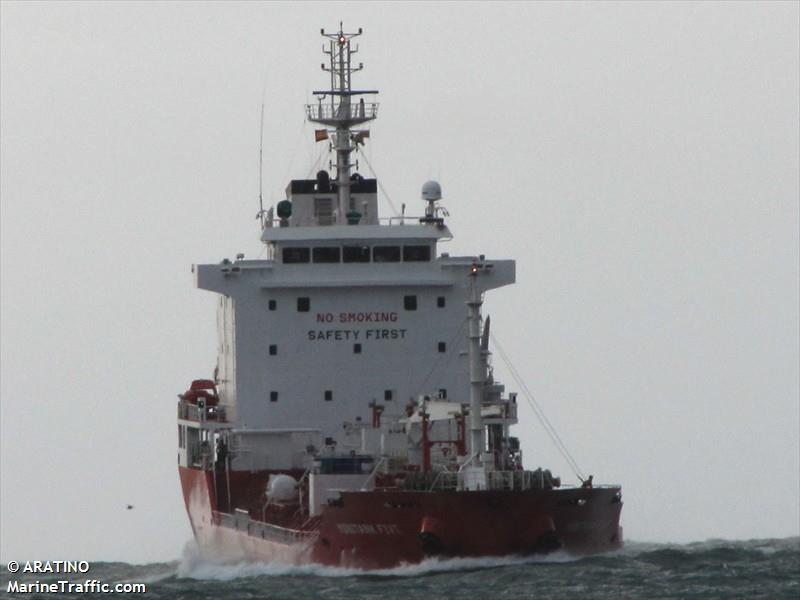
(384, 528)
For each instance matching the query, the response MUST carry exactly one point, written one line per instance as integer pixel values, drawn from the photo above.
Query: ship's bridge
(364, 232)
(403, 247)
(354, 245)
(310, 227)
(316, 203)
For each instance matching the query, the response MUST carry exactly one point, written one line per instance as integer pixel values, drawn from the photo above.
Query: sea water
(768, 569)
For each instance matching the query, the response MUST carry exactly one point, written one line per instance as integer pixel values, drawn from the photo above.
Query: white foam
(194, 565)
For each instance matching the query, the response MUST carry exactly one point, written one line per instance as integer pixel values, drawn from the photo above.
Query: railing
(445, 480)
(200, 456)
(495, 480)
(395, 221)
(240, 520)
(441, 480)
(354, 112)
(374, 472)
(191, 412)
(521, 480)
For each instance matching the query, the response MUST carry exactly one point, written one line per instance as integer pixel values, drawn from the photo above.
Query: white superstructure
(349, 311)
(310, 344)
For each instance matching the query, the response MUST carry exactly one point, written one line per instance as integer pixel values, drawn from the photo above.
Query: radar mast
(335, 108)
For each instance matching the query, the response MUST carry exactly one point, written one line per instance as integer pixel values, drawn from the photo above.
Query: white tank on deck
(282, 488)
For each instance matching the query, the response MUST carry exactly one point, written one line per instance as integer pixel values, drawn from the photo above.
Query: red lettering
(360, 317)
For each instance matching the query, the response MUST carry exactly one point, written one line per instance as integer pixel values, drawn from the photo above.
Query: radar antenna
(339, 112)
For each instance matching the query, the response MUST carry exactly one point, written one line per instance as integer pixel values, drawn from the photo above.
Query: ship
(353, 417)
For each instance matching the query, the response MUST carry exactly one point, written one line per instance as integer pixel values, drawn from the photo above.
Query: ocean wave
(723, 554)
(195, 566)
(741, 570)
(662, 556)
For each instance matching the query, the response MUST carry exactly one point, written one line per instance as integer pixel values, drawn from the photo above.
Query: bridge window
(386, 254)
(273, 396)
(440, 301)
(356, 348)
(388, 395)
(356, 254)
(416, 253)
(326, 254)
(273, 350)
(328, 395)
(296, 255)
(273, 304)
(410, 302)
(442, 347)
(303, 304)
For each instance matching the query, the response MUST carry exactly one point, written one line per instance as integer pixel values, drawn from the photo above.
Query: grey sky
(640, 161)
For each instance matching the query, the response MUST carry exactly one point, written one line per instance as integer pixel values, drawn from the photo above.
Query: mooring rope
(537, 410)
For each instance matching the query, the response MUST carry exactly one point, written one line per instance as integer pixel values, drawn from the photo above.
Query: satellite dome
(431, 191)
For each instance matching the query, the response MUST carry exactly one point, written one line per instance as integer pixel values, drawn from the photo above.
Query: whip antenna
(261, 166)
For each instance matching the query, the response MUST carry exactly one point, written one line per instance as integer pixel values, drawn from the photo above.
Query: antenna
(341, 112)
(261, 214)
(261, 166)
